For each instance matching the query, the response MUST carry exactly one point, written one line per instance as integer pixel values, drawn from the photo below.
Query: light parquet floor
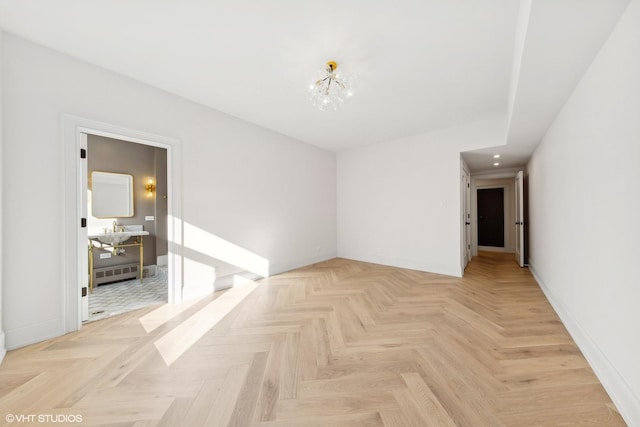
(340, 343)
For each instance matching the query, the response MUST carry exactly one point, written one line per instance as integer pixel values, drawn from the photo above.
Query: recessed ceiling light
(496, 156)
(496, 164)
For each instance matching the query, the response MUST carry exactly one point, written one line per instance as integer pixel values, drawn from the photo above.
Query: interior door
(466, 183)
(491, 217)
(83, 246)
(520, 219)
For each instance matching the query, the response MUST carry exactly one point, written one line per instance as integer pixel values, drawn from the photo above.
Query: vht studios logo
(43, 418)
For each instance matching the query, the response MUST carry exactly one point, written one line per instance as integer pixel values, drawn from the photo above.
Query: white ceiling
(422, 64)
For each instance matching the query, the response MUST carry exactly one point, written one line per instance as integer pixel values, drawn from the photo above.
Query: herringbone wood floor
(341, 343)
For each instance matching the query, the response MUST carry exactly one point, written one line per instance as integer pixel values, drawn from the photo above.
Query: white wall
(2, 336)
(584, 203)
(262, 191)
(399, 201)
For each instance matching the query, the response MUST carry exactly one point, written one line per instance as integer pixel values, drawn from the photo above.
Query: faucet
(115, 226)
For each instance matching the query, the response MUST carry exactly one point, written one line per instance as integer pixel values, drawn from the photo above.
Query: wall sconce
(150, 187)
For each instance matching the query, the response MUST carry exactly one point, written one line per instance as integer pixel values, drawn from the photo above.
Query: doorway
(133, 273)
(521, 219)
(75, 130)
(491, 217)
(506, 182)
(466, 215)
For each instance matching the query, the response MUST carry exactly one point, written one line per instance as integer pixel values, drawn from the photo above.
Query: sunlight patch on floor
(176, 342)
(164, 313)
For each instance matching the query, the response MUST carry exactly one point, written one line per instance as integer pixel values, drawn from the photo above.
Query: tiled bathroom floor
(121, 297)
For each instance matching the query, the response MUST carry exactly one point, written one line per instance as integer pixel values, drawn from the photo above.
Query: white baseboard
(3, 348)
(494, 249)
(283, 267)
(625, 400)
(228, 281)
(446, 270)
(31, 334)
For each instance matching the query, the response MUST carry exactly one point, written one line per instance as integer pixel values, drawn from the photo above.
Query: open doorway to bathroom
(126, 272)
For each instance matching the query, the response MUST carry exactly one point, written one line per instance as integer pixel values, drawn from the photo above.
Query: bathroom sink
(117, 237)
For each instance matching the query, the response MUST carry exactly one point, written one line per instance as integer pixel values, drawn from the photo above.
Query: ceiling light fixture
(332, 89)
(496, 164)
(496, 156)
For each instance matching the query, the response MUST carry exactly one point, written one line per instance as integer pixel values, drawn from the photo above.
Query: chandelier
(332, 89)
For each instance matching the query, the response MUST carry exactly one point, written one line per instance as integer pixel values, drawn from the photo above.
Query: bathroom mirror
(111, 195)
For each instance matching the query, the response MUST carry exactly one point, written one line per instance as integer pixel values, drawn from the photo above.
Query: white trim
(505, 222)
(465, 175)
(228, 281)
(3, 347)
(494, 249)
(498, 173)
(625, 400)
(34, 333)
(72, 127)
(83, 233)
(279, 268)
(447, 270)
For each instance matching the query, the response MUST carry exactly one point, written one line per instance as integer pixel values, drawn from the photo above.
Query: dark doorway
(491, 217)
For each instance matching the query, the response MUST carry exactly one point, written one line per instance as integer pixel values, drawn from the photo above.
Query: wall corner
(3, 350)
(3, 347)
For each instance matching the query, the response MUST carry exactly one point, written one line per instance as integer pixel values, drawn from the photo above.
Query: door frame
(507, 174)
(505, 226)
(75, 186)
(505, 223)
(465, 214)
(520, 219)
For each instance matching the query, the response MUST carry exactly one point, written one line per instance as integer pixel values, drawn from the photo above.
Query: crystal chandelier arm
(330, 90)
